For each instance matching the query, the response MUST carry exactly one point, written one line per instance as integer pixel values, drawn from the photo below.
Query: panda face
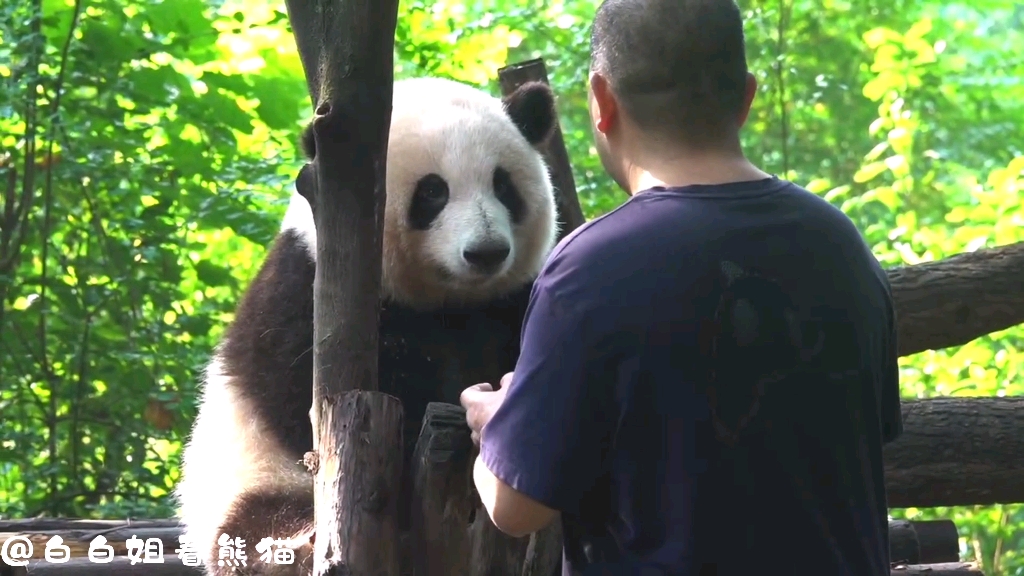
(470, 209)
(487, 219)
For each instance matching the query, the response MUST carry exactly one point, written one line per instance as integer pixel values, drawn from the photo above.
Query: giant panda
(469, 221)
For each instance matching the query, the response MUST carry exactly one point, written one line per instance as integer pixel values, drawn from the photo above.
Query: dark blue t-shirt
(708, 374)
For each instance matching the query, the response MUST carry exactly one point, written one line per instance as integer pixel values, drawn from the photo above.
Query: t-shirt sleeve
(892, 414)
(546, 439)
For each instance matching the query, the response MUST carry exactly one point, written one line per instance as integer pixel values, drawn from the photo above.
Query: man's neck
(688, 168)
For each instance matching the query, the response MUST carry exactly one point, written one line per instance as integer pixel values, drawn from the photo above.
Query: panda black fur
(469, 221)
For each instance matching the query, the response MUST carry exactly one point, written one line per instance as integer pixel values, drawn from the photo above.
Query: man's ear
(604, 107)
(532, 109)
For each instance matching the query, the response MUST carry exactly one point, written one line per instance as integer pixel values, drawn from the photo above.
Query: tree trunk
(957, 452)
(953, 301)
(347, 52)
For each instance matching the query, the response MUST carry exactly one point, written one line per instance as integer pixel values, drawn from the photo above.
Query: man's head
(667, 75)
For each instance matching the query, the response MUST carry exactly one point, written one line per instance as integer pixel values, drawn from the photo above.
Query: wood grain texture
(957, 452)
(357, 525)
(442, 493)
(953, 301)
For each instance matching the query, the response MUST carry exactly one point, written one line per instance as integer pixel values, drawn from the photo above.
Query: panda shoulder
(298, 220)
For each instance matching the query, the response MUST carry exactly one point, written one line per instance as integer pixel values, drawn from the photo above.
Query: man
(708, 373)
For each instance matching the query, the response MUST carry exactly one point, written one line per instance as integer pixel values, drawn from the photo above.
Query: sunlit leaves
(962, 209)
(869, 171)
(146, 150)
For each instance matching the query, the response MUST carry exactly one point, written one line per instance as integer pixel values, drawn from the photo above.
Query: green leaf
(281, 101)
(212, 274)
(869, 172)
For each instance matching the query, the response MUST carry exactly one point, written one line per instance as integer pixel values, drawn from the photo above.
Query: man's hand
(481, 401)
(513, 513)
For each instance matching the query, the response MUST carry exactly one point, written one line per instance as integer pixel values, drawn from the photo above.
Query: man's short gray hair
(678, 66)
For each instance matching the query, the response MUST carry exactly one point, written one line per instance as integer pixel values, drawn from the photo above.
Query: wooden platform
(918, 548)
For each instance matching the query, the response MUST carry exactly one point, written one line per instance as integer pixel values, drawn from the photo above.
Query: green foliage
(147, 149)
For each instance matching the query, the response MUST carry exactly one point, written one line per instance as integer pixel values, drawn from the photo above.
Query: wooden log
(442, 505)
(953, 301)
(497, 554)
(923, 542)
(442, 468)
(34, 524)
(357, 530)
(451, 531)
(544, 552)
(939, 539)
(943, 569)
(347, 52)
(494, 553)
(172, 566)
(957, 452)
(119, 566)
(570, 215)
(904, 547)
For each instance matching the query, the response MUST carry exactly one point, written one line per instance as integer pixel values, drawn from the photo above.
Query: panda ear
(532, 109)
(308, 142)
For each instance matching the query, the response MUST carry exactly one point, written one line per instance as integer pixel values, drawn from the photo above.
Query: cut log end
(442, 503)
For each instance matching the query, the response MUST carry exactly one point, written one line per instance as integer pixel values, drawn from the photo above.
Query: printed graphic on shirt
(756, 337)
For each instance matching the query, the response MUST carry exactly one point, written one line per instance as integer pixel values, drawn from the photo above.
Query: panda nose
(486, 257)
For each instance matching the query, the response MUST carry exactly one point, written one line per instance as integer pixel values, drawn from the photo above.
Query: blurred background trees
(147, 150)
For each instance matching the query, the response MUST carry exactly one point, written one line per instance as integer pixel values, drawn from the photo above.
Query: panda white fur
(469, 221)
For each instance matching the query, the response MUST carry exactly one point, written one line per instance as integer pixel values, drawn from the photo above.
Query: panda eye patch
(507, 193)
(428, 200)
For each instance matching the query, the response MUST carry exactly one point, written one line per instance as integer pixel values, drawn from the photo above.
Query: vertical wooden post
(570, 215)
(442, 500)
(544, 548)
(347, 52)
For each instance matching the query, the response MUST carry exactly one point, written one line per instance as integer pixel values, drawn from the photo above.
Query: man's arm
(542, 449)
(512, 512)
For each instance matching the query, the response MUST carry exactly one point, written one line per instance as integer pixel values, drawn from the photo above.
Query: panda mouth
(470, 276)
